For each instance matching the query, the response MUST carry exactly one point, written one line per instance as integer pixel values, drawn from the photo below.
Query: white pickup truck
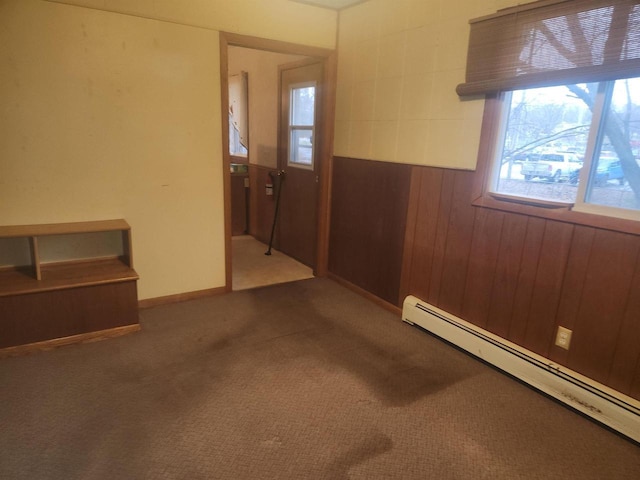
(550, 166)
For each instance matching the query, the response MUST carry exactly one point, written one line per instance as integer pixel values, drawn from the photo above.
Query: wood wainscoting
(239, 204)
(521, 277)
(369, 202)
(517, 276)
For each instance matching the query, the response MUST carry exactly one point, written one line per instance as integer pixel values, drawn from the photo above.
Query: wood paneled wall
(369, 203)
(239, 204)
(261, 205)
(519, 277)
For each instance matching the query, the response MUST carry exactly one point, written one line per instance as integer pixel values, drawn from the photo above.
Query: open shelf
(8, 231)
(67, 243)
(58, 276)
(65, 280)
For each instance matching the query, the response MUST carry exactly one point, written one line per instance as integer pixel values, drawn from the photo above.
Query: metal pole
(275, 214)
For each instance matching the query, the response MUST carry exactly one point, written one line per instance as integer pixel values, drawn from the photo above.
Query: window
(239, 114)
(576, 144)
(566, 79)
(235, 143)
(301, 125)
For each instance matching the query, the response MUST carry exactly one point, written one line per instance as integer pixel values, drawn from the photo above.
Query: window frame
(482, 196)
(295, 127)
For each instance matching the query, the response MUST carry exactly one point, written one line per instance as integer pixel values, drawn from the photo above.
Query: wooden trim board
(326, 164)
(278, 46)
(180, 297)
(60, 342)
(369, 296)
(226, 157)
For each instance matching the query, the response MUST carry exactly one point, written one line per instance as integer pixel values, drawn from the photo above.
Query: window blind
(553, 42)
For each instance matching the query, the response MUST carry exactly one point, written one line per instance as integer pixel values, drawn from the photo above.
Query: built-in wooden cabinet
(64, 283)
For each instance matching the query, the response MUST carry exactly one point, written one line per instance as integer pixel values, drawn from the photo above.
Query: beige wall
(106, 115)
(276, 19)
(262, 68)
(398, 65)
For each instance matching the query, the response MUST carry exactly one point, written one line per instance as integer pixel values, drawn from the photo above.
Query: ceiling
(332, 4)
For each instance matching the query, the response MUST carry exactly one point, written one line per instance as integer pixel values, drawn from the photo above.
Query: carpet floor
(304, 380)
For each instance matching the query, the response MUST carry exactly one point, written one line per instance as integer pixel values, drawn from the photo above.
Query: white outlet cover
(563, 337)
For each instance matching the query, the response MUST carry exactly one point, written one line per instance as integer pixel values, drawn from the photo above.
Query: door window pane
(301, 125)
(301, 146)
(303, 106)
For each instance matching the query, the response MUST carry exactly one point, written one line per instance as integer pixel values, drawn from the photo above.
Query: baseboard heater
(609, 407)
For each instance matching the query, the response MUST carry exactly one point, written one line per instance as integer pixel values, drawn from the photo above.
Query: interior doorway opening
(253, 163)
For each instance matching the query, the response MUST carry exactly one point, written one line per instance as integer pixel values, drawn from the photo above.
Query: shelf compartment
(64, 275)
(63, 228)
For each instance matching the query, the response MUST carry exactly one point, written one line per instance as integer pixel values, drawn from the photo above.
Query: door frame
(329, 60)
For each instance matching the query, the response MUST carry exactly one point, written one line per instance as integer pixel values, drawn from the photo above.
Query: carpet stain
(274, 442)
(371, 447)
(291, 327)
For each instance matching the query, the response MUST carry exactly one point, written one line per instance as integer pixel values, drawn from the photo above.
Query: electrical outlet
(563, 338)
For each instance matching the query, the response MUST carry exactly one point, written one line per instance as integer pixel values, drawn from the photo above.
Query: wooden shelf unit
(68, 298)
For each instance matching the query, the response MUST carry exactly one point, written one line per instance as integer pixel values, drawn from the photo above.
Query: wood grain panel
(239, 217)
(297, 216)
(519, 276)
(554, 252)
(424, 238)
(635, 386)
(440, 240)
(458, 244)
(503, 295)
(572, 287)
(62, 313)
(410, 233)
(526, 279)
(625, 368)
(261, 205)
(368, 222)
(482, 266)
(606, 290)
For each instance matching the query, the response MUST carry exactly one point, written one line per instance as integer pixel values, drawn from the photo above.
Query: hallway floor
(252, 268)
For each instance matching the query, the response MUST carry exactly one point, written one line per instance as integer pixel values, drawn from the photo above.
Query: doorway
(263, 164)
